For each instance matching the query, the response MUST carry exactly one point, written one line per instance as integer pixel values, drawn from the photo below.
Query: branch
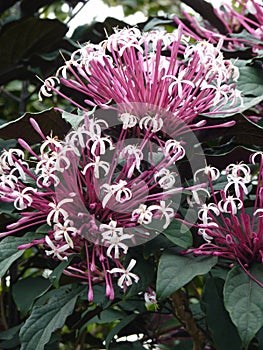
(185, 316)
(2, 307)
(206, 10)
(9, 94)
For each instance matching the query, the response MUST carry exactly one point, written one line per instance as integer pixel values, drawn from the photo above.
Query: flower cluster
(155, 68)
(231, 222)
(100, 190)
(112, 183)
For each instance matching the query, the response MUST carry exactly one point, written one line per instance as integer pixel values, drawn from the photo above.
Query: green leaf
(223, 331)
(56, 274)
(48, 120)
(250, 81)
(123, 323)
(10, 338)
(6, 144)
(26, 290)
(107, 316)
(176, 270)
(260, 338)
(10, 333)
(4, 5)
(244, 301)
(154, 22)
(75, 119)
(179, 234)
(20, 40)
(9, 252)
(46, 319)
(249, 102)
(6, 208)
(43, 229)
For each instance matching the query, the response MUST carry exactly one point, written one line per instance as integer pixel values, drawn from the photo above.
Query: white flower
(97, 164)
(46, 178)
(94, 126)
(133, 153)
(204, 211)
(58, 160)
(212, 172)
(142, 214)
(155, 123)
(8, 181)
(150, 298)
(46, 273)
(178, 81)
(154, 36)
(123, 39)
(77, 138)
(239, 170)
(129, 120)
(236, 182)
(165, 212)
(219, 91)
(202, 232)
(23, 200)
(166, 178)
(57, 211)
(230, 204)
(253, 157)
(8, 158)
(109, 230)
(115, 242)
(122, 193)
(56, 250)
(65, 230)
(99, 142)
(260, 210)
(47, 87)
(20, 168)
(175, 147)
(196, 196)
(126, 279)
(50, 142)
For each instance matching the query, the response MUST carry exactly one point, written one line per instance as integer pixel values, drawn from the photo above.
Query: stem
(2, 307)
(13, 318)
(185, 316)
(9, 94)
(81, 341)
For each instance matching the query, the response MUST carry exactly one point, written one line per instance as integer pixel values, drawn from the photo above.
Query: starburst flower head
(103, 189)
(231, 222)
(154, 68)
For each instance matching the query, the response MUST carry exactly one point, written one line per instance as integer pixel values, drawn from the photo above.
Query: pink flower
(231, 230)
(188, 81)
(101, 213)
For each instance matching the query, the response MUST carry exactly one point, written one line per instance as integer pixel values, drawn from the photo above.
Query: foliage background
(40, 313)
